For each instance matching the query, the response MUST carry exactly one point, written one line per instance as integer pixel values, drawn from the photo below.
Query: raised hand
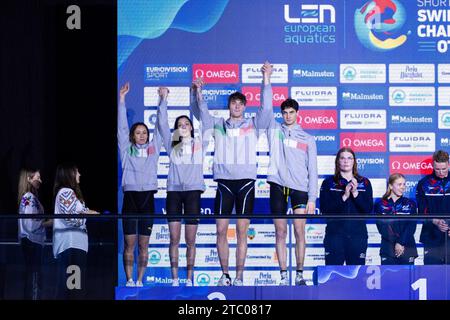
(197, 85)
(163, 93)
(124, 90)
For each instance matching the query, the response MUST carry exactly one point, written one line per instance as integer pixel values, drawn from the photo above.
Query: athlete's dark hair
(66, 177)
(289, 103)
(176, 139)
(134, 127)
(237, 96)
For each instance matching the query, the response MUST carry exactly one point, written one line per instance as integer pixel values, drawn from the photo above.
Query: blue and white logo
(314, 73)
(363, 96)
(167, 73)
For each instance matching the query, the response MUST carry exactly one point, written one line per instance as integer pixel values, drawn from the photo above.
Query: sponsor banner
(444, 119)
(411, 165)
(150, 119)
(315, 96)
(178, 97)
(251, 73)
(364, 141)
(412, 96)
(256, 257)
(208, 162)
(374, 237)
(363, 73)
(363, 119)
(162, 189)
(363, 97)
(262, 188)
(314, 232)
(209, 278)
(314, 256)
(218, 96)
(411, 186)
(326, 142)
(263, 143)
(163, 165)
(262, 163)
(253, 95)
(325, 165)
(411, 119)
(307, 276)
(167, 73)
(370, 165)
(216, 73)
(211, 188)
(412, 142)
(378, 187)
(443, 141)
(317, 119)
(444, 73)
(314, 73)
(411, 73)
(444, 96)
(373, 256)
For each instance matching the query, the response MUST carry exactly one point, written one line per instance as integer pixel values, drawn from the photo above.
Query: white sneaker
(139, 284)
(130, 283)
(299, 281)
(224, 281)
(175, 283)
(237, 282)
(284, 281)
(188, 283)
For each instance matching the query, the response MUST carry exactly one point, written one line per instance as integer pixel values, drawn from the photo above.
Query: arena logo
(253, 95)
(411, 165)
(311, 13)
(317, 119)
(203, 279)
(378, 25)
(349, 73)
(444, 119)
(217, 73)
(154, 257)
(364, 142)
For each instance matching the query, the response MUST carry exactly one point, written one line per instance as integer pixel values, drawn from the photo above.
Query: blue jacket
(396, 231)
(433, 197)
(331, 202)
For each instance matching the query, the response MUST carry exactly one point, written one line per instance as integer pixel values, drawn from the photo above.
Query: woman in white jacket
(31, 231)
(70, 237)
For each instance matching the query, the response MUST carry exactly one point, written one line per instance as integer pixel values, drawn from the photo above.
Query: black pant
(72, 275)
(235, 192)
(183, 202)
(344, 248)
(139, 203)
(32, 253)
(437, 254)
(385, 260)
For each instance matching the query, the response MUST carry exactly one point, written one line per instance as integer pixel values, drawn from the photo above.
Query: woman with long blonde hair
(398, 245)
(31, 231)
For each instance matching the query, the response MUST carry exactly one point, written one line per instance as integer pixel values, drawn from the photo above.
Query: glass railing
(346, 257)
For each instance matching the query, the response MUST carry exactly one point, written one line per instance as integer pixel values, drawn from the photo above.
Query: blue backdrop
(372, 75)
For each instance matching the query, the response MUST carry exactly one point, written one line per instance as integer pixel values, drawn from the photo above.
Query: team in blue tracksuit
(396, 231)
(345, 240)
(433, 197)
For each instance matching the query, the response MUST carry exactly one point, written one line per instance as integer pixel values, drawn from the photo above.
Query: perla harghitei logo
(379, 24)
